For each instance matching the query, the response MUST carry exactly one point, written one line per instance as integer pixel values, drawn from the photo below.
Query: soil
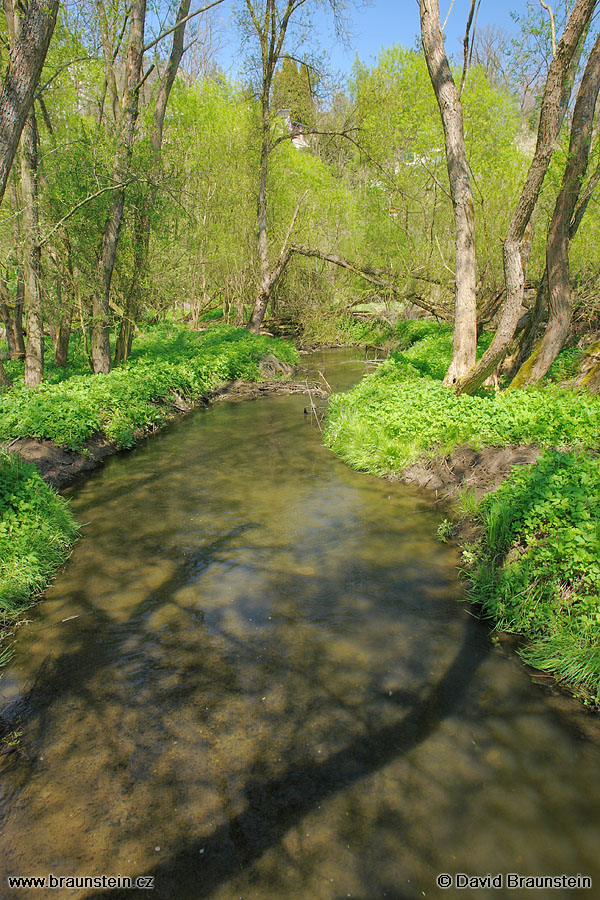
(60, 467)
(478, 471)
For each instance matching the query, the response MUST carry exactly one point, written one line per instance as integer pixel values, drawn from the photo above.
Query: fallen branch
(373, 276)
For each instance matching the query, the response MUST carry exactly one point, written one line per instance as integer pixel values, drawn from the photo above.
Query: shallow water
(253, 680)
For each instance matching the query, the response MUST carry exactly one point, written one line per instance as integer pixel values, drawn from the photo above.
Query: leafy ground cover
(36, 532)
(536, 569)
(169, 363)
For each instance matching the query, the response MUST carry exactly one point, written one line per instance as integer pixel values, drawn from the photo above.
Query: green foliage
(537, 569)
(392, 418)
(36, 532)
(168, 362)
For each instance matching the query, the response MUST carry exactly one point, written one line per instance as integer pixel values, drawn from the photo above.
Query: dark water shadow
(197, 868)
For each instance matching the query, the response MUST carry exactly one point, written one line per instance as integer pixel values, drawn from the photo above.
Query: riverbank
(75, 420)
(523, 468)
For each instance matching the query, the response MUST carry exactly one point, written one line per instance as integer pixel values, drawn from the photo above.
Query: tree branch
(112, 187)
(373, 276)
(179, 23)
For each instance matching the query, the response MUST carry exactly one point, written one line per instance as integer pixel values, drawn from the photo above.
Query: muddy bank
(60, 467)
(478, 471)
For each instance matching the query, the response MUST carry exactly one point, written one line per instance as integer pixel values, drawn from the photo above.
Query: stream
(253, 680)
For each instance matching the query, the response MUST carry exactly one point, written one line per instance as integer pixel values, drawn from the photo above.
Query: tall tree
(142, 219)
(448, 99)
(126, 123)
(32, 254)
(269, 20)
(515, 244)
(561, 229)
(25, 66)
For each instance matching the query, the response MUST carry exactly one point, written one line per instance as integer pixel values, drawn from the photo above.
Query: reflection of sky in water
(269, 678)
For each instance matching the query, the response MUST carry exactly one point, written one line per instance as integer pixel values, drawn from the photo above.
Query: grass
(396, 416)
(169, 363)
(536, 569)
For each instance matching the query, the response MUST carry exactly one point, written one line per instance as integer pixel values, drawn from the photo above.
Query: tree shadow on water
(273, 805)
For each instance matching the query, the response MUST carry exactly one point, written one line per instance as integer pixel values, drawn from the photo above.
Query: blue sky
(381, 24)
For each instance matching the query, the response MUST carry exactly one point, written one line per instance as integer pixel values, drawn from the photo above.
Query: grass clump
(36, 532)
(168, 362)
(536, 571)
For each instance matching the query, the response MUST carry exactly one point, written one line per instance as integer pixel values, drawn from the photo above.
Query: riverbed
(254, 679)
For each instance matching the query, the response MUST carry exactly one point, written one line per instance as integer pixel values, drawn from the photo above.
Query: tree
(562, 229)
(447, 96)
(269, 20)
(25, 66)
(142, 222)
(515, 245)
(126, 122)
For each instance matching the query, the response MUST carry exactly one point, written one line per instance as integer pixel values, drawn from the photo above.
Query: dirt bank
(60, 467)
(479, 471)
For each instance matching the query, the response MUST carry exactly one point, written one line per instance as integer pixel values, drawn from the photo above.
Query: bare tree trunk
(34, 353)
(32, 256)
(528, 338)
(559, 234)
(512, 253)
(100, 344)
(17, 323)
(262, 245)
(27, 57)
(142, 225)
(4, 379)
(7, 318)
(464, 342)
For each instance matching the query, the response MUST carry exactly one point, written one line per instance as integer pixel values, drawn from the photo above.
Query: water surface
(253, 680)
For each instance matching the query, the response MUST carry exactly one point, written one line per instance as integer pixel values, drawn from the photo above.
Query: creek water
(253, 680)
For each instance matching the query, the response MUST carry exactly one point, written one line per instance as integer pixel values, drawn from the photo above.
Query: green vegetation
(170, 364)
(536, 570)
(398, 415)
(36, 533)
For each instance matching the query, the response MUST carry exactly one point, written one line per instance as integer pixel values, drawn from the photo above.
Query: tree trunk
(557, 246)
(4, 379)
(7, 318)
(100, 344)
(142, 224)
(32, 258)
(464, 342)
(17, 323)
(262, 245)
(512, 253)
(27, 57)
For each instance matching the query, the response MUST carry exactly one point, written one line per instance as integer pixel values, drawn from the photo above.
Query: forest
(163, 227)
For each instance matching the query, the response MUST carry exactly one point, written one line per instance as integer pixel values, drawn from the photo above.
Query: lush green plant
(392, 418)
(537, 569)
(168, 362)
(36, 532)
